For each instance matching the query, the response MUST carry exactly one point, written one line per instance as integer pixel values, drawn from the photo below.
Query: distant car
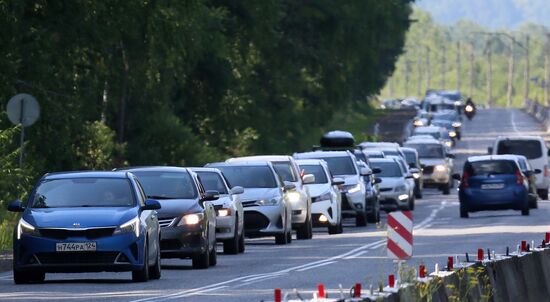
(299, 197)
(447, 125)
(530, 173)
(414, 163)
(437, 163)
(343, 164)
(396, 192)
(266, 210)
(534, 149)
(326, 208)
(421, 137)
(438, 133)
(492, 182)
(422, 118)
(377, 145)
(372, 193)
(374, 153)
(86, 222)
(187, 218)
(408, 172)
(229, 209)
(453, 117)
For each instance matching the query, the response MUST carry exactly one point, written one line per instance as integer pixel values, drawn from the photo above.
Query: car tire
(142, 275)
(213, 259)
(305, 231)
(231, 246)
(360, 219)
(281, 239)
(411, 203)
(543, 194)
(155, 271)
(289, 237)
(21, 277)
(525, 211)
(202, 260)
(374, 215)
(463, 211)
(241, 243)
(447, 188)
(418, 193)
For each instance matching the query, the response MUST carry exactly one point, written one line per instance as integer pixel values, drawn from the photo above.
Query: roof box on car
(337, 139)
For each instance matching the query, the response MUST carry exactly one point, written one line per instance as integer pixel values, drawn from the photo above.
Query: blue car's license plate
(492, 186)
(75, 246)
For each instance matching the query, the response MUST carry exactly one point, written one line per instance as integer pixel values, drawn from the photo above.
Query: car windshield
(391, 153)
(389, 169)
(531, 149)
(491, 167)
(410, 156)
(317, 171)
(340, 165)
(360, 155)
(249, 176)
(285, 171)
(433, 134)
(428, 150)
(212, 181)
(167, 185)
(83, 192)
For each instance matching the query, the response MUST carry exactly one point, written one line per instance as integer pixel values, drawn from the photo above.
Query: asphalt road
(358, 255)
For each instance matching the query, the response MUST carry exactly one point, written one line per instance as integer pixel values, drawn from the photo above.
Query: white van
(534, 149)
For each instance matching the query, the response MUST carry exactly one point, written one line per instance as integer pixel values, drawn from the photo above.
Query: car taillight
(519, 178)
(545, 171)
(465, 177)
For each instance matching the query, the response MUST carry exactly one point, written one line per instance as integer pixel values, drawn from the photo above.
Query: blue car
(86, 222)
(493, 182)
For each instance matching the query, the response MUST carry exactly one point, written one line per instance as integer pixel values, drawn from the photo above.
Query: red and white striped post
(400, 237)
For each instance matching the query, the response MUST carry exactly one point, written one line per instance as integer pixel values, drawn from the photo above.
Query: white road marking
(512, 118)
(318, 265)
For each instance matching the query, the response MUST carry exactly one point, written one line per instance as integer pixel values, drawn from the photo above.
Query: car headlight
(223, 212)
(268, 202)
(416, 175)
(457, 124)
(191, 219)
(401, 188)
(403, 196)
(418, 123)
(24, 227)
(452, 134)
(131, 226)
(448, 144)
(294, 196)
(440, 168)
(323, 197)
(354, 188)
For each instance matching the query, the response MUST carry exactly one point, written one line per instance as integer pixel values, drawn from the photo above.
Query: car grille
(170, 244)
(345, 203)
(385, 189)
(67, 233)
(428, 169)
(218, 206)
(249, 203)
(77, 257)
(255, 221)
(164, 222)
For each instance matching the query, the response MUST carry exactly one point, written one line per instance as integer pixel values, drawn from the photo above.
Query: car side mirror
(337, 181)
(210, 195)
(422, 166)
(308, 179)
(365, 171)
(548, 152)
(151, 204)
(490, 150)
(16, 206)
(456, 176)
(537, 171)
(289, 186)
(450, 155)
(377, 180)
(414, 170)
(237, 190)
(376, 170)
(529, 173)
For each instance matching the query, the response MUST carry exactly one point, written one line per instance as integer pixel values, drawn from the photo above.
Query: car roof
(260, 158)
(407, 149)
(391, 159)
(373, 151)
(492, 157)
(87, 174)
(375, 145)
(155, 168)
(310, 161)
(258, 163)
(205, 169)
(423, 141)
(520, 137)
(427, 129)
(316, 154)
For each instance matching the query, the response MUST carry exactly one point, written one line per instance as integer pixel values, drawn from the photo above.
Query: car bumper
(116, 253)
(262, 221)
(326, 208)
(353, 202)
(225, 227)
(435, 179)
(479, 200)
(299, 213)
(391, 201)
(183, 242)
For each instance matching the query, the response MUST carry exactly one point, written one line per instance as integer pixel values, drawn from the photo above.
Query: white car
(229, 209)
(534, 149)
(344, 164)
(438, 133)
(299, 197)
(396, 193)
(410, 180)
(326, 207)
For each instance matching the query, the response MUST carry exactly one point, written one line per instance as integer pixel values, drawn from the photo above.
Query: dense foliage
(470, 36)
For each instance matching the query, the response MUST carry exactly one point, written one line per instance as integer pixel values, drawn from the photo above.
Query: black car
(187, 218)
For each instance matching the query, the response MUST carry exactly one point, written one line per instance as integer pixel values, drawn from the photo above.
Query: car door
(209, 212)
(237, 204)
(150, 219)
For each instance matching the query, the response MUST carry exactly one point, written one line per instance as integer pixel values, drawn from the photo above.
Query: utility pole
(443, 71)
(471, 73)
(428, 85)
(458, 73)
(526, 75)
(489, 74)
(419, 69)
(510, 76)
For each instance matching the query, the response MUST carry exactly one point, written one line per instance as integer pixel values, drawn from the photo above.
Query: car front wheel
(142, 275)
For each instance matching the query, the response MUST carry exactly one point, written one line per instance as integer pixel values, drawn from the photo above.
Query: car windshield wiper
(164, 197)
